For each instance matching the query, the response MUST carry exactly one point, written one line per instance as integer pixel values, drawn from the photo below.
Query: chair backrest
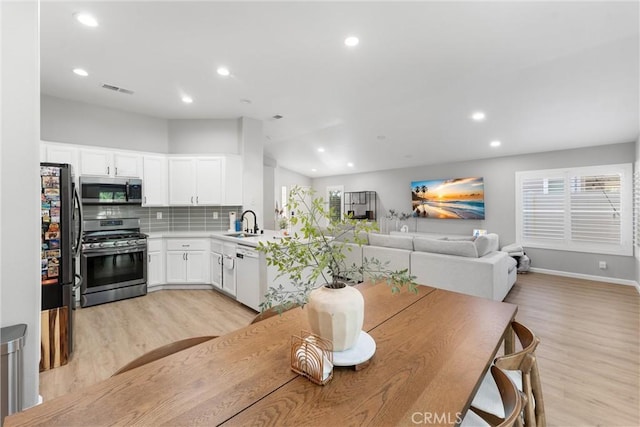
(510, 397)
(273, 311)
(512, 402)
(525, 361)
(163, 351)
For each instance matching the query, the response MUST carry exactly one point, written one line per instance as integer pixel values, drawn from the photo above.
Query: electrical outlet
(158, 215)
(602, 265)
(215, 215)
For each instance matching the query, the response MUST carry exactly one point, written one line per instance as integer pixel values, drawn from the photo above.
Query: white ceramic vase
(336, 314)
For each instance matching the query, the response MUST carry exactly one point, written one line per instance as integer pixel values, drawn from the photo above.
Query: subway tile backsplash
(175, 218)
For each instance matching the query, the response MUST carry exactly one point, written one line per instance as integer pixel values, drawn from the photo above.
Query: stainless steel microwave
(112, 191)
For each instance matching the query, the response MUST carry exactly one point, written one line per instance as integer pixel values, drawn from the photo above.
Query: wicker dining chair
(273, 311)
(522, 368)
(511, 401)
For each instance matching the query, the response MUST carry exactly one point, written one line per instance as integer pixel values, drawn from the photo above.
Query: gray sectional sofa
(456, 263)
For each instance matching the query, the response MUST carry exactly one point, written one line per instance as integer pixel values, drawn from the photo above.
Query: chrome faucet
(255, 222)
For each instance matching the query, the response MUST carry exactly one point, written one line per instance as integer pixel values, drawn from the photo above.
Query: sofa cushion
(459, 238)
(349, 236)
(487, 243)
(388, 241)
(463, 248)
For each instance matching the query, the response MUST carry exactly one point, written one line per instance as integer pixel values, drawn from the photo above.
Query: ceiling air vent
(117, 89)
(277, 117)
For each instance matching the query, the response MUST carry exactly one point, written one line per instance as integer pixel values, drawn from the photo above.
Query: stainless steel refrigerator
(61, 219)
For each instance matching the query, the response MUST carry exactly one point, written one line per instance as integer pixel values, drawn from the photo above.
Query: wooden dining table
(432, 350)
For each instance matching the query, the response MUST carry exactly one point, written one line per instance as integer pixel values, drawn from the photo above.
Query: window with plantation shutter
(586, 209)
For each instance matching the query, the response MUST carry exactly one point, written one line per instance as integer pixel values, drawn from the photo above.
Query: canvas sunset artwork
(457, 198)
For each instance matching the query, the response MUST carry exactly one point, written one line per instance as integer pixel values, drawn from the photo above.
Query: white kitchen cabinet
(59, 153)
(109, 163)
(216, 264)
(181, 181)
(195, 181)
(229, 268)
(232, 181)
(188, 261)
(155, 262)
(154, 181)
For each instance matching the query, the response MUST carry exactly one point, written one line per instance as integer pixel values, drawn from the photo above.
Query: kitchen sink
(240, 235)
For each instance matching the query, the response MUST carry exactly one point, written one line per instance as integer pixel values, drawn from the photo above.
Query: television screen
(458, 198)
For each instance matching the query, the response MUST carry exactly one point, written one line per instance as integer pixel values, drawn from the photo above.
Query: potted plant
(313, 259)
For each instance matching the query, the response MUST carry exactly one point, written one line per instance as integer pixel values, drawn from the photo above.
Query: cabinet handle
(196, 200)
(191, 199)
(186, 256)
(149, 258)
(185, 246)
(183, 256)
(116, 168)
(145, 200)
(108, 169)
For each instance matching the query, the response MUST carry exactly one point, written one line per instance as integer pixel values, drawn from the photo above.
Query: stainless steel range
(113, 260)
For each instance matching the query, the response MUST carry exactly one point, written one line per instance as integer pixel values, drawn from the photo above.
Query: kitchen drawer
(154, 245)
(188, 244)
(216, 246)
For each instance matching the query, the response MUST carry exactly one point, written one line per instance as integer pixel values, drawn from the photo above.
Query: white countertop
(267, 235)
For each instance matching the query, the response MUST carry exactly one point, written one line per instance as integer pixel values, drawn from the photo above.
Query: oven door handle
(129, 250)
(76, 199)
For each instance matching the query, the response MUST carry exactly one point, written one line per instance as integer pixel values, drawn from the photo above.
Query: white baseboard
(588, 277)
(190, 286)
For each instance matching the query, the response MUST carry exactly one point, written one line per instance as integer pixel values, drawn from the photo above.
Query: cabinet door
(216, 270)
(229, 268)
(95, 162)
(154, 181)
(198, 267)
(232, 182)
(126, 165)
(55, 153)
(181, 181)
(155, 269)
(209, 181)
(176, 267)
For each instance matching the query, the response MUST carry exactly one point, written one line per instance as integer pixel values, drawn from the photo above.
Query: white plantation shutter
(543, 209)
(580, 209)
(595, 208)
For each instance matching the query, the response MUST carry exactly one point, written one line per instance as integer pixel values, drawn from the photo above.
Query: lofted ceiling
(548, 75)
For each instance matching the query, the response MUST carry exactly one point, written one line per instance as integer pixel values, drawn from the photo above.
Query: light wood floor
(588, 357)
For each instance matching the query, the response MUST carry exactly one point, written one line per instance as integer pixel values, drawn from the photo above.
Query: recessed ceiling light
(187, 99)
(495, 143)
(314, 170)
(320, 150)
(223, 71)
(351, 41)
(245, 101)
(478, 116)
(86, 19)
(80, 72)
(350, 164)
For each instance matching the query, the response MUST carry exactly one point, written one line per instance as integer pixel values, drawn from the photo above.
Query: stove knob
(101, 245)
(93, 245)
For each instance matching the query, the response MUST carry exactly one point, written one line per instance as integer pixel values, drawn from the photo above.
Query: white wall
(201, 136)
(63, 120)
(393, 188)
(252, 150)
(19, 182)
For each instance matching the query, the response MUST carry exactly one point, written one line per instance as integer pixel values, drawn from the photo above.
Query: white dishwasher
(248, 288)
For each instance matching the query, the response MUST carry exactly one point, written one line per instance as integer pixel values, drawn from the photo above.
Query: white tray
(364, 350)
